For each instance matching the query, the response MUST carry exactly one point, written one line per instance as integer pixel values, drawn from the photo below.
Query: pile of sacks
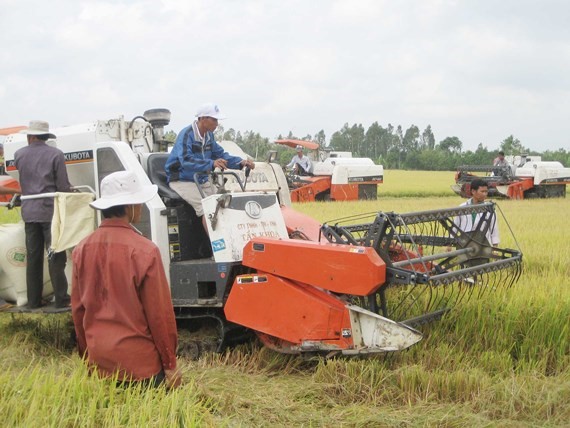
(13, 262)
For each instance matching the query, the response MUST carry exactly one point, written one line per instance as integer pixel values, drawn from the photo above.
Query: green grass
(502, 361)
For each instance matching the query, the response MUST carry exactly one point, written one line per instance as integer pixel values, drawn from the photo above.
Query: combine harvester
(525, 177)
(353, 288)
(336, 176)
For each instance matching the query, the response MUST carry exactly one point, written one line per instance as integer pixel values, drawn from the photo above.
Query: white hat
(123, 188)
(299, 148)
(38, 127)
(210, 110)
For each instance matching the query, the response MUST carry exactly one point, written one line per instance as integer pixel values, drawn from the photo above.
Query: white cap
(210, 110)
(299, 148)
(38, 127)
(123, 188)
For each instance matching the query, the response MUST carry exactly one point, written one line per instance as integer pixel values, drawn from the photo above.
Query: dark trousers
(38, 239)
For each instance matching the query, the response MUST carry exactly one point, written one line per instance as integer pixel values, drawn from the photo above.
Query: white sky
(480, 70)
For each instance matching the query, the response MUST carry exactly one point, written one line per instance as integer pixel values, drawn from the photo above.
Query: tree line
(389, 146)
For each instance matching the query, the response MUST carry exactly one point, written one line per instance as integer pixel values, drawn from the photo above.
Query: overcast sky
(480, 70)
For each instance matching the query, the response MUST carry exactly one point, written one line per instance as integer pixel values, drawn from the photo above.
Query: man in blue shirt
(196, 150)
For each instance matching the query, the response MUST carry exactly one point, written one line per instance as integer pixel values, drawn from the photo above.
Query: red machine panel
(340, 268)
(290, 311)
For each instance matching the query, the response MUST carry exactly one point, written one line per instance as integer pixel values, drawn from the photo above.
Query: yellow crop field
(401, 183)
(500, 361)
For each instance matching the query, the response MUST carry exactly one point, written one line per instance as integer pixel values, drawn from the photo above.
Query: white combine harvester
(335, 176)
(268, 270)
(525, 177)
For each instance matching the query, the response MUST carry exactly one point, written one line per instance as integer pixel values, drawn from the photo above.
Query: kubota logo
(253, 209)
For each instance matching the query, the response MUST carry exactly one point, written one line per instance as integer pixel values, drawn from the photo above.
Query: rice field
(503, 361)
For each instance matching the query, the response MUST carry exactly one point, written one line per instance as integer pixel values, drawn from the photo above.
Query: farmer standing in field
(467, 223)
(42, 170)
(121, 303)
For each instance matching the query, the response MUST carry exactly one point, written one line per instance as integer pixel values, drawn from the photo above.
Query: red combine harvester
(335, 176)
(525, 177)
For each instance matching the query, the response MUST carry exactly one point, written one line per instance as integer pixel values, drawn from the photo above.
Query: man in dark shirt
(42, 170)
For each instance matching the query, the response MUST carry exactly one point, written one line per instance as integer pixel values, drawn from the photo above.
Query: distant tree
(170, 136)
(481, 156)
(428, 139)
(338, 141)
(230, 135)
(432, 160)
(399, 145)
(219, 133)
(450, 144)
(239, 138)
(512, 146)
(320, 138)
(254, 145)
(389, 140)
(411, 140)
(349, 139)
(357, 140)
(375, 141)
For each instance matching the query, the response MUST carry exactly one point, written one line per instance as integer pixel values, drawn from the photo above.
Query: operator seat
(157, 175)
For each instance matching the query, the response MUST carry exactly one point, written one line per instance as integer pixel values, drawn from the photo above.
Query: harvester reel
(432, 265)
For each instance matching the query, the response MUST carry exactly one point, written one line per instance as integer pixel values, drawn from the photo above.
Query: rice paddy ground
(503, 361)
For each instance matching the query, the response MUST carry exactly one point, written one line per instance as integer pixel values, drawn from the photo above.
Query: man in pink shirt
(120, 299)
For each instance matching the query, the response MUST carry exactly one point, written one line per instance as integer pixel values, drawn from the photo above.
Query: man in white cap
(301, 164)
(196, 151)
(42, 170)
(120, 300)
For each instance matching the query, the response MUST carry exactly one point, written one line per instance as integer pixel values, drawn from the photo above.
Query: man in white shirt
(301, 164)
(468, 223)
(500, 160)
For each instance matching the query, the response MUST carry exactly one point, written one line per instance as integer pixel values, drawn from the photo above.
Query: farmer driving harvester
(300, 164)
(197, 152)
